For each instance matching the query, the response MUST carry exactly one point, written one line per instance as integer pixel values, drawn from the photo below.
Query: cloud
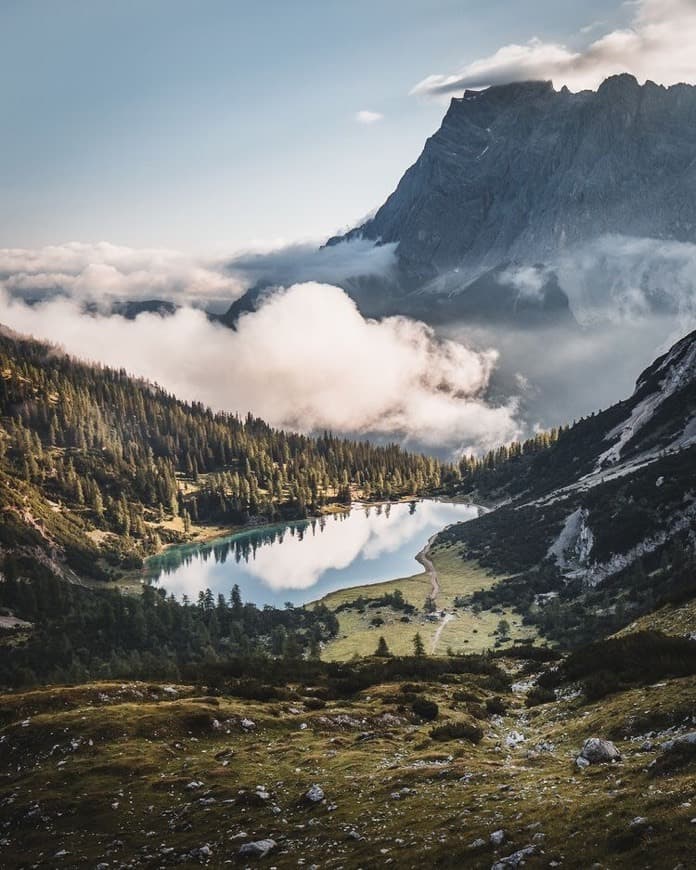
(306, 360)
(293, 264)
(657, 45)
(529, 281)
(622, 279)
(364, 116)
(102, 272)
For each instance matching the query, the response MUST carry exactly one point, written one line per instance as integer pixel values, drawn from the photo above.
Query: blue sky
(211, 125)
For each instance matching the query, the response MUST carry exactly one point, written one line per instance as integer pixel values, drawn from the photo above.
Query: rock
(598, 751)
(513, 739)
(353, 835)
(479, 843)
(515, 859)
(497, 838)
(170, 691)
(582, 762)
(444, 242)
(248, 724)
(315, 794)
(257, 849)
(193, 785)
(685, 740)
(639, 823)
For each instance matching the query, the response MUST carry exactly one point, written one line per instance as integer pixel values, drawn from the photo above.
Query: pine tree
(382, 648)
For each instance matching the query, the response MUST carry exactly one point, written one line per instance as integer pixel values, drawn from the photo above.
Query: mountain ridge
(517, 174)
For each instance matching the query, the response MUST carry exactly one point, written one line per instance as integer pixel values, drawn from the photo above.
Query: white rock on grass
(314, 794)
(257, 849)
(599, 751)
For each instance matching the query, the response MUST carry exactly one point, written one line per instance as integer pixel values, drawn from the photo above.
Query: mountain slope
(517, 174)
(600, 524)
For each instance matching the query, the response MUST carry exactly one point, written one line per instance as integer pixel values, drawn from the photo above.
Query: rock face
(521, 172)
(598, 751)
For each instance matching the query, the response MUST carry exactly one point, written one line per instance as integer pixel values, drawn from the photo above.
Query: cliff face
(518, 174)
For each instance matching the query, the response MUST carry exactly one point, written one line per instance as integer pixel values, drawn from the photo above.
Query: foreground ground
(148, 775)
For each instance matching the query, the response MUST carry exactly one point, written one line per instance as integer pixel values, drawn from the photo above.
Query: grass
(677, 620)
(467, 631)
(82, 768)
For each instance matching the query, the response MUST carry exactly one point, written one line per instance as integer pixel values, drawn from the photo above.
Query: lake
(301, 561)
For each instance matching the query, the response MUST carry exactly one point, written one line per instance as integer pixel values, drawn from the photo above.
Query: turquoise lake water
(302, 561)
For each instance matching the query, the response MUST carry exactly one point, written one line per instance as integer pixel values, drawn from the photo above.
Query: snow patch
(573, 546)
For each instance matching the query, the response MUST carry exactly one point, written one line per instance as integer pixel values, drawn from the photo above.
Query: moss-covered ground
(147, 775)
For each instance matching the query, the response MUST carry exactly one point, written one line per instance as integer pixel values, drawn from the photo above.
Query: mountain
(521, 173)
(596, 527)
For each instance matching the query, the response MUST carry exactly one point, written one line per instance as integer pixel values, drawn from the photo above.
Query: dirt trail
(426, 562)
(448, 617)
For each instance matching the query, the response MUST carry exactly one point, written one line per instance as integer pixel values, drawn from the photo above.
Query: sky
(217, 125)
(187, 149)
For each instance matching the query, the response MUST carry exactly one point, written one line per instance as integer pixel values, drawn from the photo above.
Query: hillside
(596, 528)
(390, 762)
(98, 469)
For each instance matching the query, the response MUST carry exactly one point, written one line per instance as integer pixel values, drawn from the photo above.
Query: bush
(496, 706)
(426, 709)
(539, 695)
(457, 731)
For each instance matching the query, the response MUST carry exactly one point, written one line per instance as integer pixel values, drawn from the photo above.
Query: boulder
(598, 751)
(685, 740)
(257, 849)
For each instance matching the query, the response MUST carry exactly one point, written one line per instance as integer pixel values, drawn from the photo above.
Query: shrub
(496, 706)
(426, 709)
(539, 695)
(457, 731)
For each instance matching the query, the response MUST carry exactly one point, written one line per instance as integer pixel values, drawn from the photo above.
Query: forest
(105, 468)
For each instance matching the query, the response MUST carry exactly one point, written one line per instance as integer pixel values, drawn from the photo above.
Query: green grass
(467, 631)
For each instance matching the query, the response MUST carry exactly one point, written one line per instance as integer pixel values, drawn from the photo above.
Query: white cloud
(364, 116)
(622, 279)
(102, 272)
(306, 360)
(657, 45)
(295, 263)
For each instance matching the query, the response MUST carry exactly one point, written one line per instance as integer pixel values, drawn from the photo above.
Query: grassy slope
(129, 783)
(467, 631)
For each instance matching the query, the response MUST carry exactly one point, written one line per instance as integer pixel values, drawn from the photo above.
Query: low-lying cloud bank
(99, 273)
(306, 360)
(293, 264)
(622, 279)
(657, 44)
